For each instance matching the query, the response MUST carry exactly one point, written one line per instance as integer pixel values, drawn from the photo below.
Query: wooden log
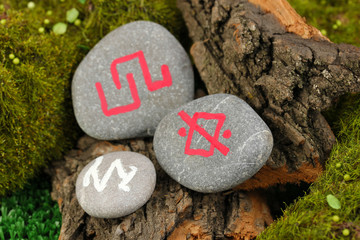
(173, 211)
(285, 69)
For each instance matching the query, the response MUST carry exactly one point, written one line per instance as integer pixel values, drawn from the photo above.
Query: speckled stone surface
(130, 80)
(213, 143)
(115, 184)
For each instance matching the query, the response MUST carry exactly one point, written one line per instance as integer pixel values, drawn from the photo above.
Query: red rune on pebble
(214, 140)
(151, 85)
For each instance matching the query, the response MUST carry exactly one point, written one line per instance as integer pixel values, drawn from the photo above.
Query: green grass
(30, 213)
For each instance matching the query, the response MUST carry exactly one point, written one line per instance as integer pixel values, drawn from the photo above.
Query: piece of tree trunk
(173, 211)
(289, 79)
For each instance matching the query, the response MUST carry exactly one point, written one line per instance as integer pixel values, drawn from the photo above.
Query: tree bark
(288, 78)
(173, 211)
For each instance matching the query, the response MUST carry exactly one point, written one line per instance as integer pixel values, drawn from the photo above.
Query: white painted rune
(115, 184)
(100, 185)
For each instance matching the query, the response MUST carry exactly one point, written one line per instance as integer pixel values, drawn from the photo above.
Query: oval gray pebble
(213, 143)
(115, 184)
(130, 80)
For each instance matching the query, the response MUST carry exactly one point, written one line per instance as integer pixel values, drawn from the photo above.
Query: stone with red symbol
(130, 80)
(213, 143)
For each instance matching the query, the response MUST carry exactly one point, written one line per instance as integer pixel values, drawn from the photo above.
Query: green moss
(340, 20)
(311, 217)
(108, 15)
(34, 98)
(36, 116)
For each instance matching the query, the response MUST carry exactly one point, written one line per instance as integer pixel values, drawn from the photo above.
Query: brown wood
(289, 18)
(173, 211)
(288, 80)
(239, 49)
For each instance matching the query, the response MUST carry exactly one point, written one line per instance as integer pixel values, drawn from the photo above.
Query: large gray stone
(122, 88)
(115, 184)
(213, 143)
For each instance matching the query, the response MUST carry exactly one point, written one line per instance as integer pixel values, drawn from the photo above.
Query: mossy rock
(36, 116)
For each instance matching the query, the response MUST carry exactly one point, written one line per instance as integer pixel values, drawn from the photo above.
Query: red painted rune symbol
(214, 140)
(151, 85)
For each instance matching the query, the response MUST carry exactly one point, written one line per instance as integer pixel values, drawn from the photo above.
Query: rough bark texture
(173, 212)
(288, 80)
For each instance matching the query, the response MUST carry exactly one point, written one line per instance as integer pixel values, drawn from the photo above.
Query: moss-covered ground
(41, 44)
(48, 60)
(313, 216)
(338, 20)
